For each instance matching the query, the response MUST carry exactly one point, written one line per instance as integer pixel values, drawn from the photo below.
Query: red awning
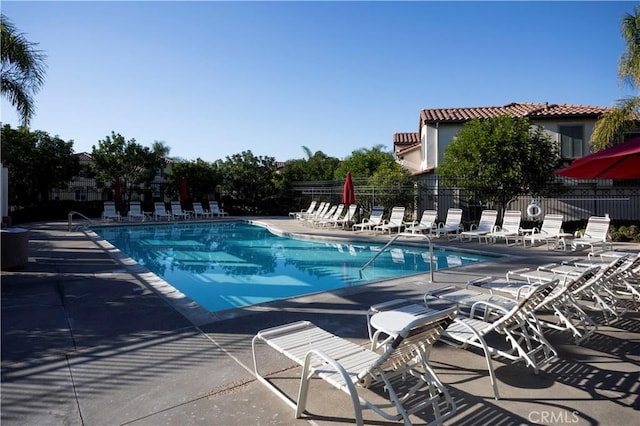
(620, 161)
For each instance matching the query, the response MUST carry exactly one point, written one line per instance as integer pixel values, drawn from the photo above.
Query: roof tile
(526, 109)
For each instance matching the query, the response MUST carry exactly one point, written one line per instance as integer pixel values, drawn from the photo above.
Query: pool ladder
(70, 219)
(391, 241)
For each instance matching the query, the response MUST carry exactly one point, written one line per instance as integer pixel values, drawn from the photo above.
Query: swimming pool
(229, 265)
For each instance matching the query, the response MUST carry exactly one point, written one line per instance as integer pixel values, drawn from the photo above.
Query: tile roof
(84, 156)
(401, 150)
(404, 139)
(527, 109)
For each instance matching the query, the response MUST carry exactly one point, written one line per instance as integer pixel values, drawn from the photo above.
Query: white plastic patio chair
(451, 225)
(567, 314)
(199, 211)
(426, 224)
(346, 219)
(395, 222)
(331, 219)
(518, 325)
(135, 211)
(550, 230)
(160, 211)
(374, 219)
(485, 226)
(176, 210)
(596, 234)
(309, 209)
(351, 367)
(510, 228)
(215, 209)
(110, 212)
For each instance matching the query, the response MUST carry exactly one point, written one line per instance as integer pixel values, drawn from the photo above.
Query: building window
(571, 141)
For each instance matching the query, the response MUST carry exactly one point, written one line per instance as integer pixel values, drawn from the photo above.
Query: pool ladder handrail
(70, 219)
(391, 241)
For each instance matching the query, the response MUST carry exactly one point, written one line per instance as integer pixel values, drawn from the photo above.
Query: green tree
(37, 164)
(364, 163)
(379, 179)
(316, 167)
(499, 159)
(202, 177)
(22, 71)
(249, 183)
(133, 164)
(624, 116)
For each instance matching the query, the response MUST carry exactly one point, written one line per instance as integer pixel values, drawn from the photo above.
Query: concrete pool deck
(87, 339)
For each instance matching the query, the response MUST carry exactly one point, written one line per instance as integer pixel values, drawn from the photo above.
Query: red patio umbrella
(184, 190)
(117, 192)
(621, 161)
(348, 192)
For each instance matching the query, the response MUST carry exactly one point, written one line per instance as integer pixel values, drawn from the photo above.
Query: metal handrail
(70, 219)
(391, 241)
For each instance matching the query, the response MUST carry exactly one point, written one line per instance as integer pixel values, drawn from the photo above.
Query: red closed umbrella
(348, 192)
(117, 192)
(620, 161)
(184, 190)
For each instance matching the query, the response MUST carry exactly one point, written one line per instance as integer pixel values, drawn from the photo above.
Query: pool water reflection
(235, 264)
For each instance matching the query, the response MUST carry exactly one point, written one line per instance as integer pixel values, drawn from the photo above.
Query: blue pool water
(224, 266)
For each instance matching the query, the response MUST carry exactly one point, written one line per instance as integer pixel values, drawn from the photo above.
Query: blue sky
(213, 79)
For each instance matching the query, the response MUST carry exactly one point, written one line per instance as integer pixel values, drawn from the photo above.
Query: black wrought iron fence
(577, 200)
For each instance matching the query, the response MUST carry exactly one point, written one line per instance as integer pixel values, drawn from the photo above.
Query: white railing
(391, 241)
(70, 219)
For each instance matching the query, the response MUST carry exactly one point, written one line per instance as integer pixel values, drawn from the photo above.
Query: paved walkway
(87, 339)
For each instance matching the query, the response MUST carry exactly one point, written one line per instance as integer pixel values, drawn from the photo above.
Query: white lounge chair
(395, 222)
(510, 228)
(309, 209)
(328, 214)
(401, 369)
(485, 226)
(199, 211)
(596, 234)
(176, 210)
(309, 214)
(550, 231)
(568, 315)
(426, 224)
(160, 211)
(519, 326)
(215, 209)
(135, 211)
(331, 218)
(451, 225)
(374, 219)
(600, 292)
(110, 212)
(347, 218)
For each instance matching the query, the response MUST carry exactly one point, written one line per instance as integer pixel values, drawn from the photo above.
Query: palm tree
(624, 115)
(23, 70)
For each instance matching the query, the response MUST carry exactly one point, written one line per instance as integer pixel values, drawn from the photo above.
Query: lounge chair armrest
(516, 272)
(486, 304)
(478, 281)
(524, 291)
(434, 294)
